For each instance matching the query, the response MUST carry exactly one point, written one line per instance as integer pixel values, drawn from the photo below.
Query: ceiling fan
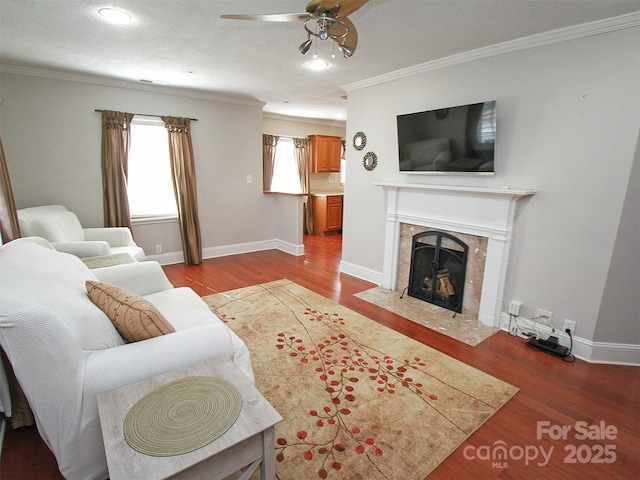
(323, 19)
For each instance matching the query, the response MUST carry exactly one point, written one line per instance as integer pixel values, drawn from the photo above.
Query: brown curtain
(301, 152)
(21, 414)
(269, 143)
(9, 226)
(183, 172)
(116, 127)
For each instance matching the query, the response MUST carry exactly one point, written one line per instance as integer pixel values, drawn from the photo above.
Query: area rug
(359, 400)
(465, 328)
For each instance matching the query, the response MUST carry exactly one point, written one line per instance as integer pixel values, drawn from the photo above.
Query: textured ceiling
(188, 45)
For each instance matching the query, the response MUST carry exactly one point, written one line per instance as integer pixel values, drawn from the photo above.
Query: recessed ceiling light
(115, 15)
(318, 64)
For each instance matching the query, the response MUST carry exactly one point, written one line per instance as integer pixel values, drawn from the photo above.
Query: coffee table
(248, 443)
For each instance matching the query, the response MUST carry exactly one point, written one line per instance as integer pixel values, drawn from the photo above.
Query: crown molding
(298, 119)
(533, 41)
(111, 82)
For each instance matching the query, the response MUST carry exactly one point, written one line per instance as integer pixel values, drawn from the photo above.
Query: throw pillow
(134, 317)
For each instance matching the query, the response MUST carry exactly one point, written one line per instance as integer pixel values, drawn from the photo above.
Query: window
(285, 169)
(149, 184)
(486, 132)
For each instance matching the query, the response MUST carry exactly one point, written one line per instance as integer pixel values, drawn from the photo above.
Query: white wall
(301, 127)
(568, 123)
(52, 140)
(622, 281)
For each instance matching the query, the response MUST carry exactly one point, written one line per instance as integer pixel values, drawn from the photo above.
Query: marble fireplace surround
(485, 212)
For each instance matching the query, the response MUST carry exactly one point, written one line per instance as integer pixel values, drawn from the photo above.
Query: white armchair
(63, 229)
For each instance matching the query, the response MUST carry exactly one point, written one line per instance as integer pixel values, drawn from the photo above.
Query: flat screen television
(448, 141)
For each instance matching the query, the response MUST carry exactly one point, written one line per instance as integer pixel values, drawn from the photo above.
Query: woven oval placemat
(182, 416)
(105, 261)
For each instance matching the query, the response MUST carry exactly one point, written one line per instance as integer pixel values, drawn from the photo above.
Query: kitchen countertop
(330, 193)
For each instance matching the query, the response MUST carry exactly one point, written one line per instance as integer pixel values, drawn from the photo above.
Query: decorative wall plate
(370, 161)
(359, 141)
(442, 113)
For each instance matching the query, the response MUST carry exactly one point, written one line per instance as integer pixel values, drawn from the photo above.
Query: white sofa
(63, 229)
(65, 351)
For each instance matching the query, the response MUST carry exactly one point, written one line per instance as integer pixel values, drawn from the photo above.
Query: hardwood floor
(604, 397)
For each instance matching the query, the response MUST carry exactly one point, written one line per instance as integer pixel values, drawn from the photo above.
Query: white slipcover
(64, 350)
(62, 228)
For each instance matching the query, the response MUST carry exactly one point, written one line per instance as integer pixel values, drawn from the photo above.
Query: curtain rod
(145, 115)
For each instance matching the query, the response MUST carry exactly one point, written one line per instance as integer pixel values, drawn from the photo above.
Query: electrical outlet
(544, 313)
(570, 325)
(514, 307)
(158, 248)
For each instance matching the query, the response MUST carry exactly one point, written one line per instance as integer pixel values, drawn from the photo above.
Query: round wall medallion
(359, 141)
(442, 113)
(370, 161)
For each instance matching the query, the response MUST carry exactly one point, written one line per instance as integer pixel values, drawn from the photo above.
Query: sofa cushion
(174, 302)
(35, 273)
(134, 317)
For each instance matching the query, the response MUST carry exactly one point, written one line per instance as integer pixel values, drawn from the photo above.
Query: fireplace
(438, 269)
(487, 213)
(471, 286)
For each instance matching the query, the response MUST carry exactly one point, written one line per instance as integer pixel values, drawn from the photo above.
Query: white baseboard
(593, 352)
(615, 353)
(167, 258)
(222, 251)
(287, 247)
(273, 244)
(587, 350)
(361, 272)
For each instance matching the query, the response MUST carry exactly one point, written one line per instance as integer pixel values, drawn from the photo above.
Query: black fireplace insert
(438, 269)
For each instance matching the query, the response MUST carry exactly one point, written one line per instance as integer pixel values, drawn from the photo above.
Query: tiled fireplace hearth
(481, 212)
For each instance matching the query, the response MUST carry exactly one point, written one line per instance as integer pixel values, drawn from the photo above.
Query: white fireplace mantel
(486, 212)
(506, 192)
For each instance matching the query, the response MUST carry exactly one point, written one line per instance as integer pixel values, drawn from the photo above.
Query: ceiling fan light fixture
(323, 33)
(305, 46)
(322, 19)
(346, 51)
(326, 28)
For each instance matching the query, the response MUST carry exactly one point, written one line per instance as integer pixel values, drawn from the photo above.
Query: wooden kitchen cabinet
(324, 153)
(327, 214)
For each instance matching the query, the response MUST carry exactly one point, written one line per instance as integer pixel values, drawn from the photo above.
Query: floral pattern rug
(359, 400)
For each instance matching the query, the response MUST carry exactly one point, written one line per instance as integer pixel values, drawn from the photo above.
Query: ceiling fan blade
(270, 17)
(350, 41)
(347, 7)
